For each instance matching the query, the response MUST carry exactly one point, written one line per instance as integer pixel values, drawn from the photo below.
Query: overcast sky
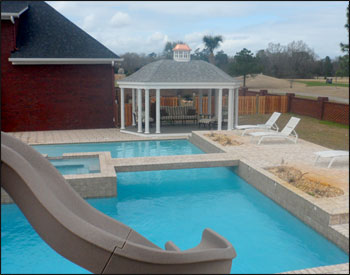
(145, 27)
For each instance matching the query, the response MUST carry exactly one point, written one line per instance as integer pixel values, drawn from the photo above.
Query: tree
(343, 69)
(318, 68)
(328, 67)
(133, 61)
(168, 49)
(296, 60)
(211, 43)
(200, 55)
(345, 47)
(152, 55)
(221, 60)
(244, 63)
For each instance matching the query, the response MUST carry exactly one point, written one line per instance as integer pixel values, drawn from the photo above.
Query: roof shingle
(45, 33)
(171, 71)
(13, 6)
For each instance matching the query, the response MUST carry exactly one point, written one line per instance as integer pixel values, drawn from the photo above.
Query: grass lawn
(328, 134)
(323, 83)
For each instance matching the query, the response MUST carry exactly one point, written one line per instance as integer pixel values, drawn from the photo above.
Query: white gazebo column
(220, 109)
(158, 111)
(122, 110)
(230, 110)
(133, 106)
(236, 108)
(147, 111)
(209, 102)
(216, 102)
(200, 102)
(139, 109)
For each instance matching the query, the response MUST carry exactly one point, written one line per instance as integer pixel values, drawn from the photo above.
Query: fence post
(242, 91)
(321, 101)
(290, 98)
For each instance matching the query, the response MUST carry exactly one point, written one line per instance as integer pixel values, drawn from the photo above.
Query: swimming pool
(125, 149)
(177, 205)
(73, 166)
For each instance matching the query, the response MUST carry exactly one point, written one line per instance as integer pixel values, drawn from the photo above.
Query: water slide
(86, 236)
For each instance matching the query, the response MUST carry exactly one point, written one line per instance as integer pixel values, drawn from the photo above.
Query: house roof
(13, 7)
(171, 71)
(44, 33)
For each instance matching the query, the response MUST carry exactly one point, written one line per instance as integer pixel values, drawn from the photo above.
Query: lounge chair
(151, 120)
(206, 120)
(270, 124)
(86, 236)
(286, 132)
(334, 154)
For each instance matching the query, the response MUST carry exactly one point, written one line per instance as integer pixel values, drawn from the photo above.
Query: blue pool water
(76, 165)
(125, 149)
(177, 205)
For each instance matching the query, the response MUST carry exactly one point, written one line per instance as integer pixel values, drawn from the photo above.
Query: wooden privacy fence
(272, 103)
(166, 100)
(248, 105)
(260, 103)
(128, 114)
(169, 101)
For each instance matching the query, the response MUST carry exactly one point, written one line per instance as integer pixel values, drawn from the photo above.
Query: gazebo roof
(170, 71)
(181, 47)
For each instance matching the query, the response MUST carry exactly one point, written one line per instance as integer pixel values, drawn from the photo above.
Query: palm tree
(211, 43)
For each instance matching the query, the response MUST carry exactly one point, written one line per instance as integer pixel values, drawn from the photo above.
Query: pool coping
(93, 185)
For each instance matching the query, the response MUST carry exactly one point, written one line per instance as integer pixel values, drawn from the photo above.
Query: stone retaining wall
(293, 200)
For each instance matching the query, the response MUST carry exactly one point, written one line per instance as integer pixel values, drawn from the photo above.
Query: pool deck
(271, 152)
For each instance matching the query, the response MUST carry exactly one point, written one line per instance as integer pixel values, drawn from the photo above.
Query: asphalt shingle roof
(13, 6)
(45, 33)
(166, 70)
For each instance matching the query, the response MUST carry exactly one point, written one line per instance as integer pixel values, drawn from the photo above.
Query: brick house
(54, 76)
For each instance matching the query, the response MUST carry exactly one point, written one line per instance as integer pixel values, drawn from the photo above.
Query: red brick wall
(306, 107)
(53, 97)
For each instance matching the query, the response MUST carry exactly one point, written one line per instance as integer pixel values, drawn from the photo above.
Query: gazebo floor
(171, 128)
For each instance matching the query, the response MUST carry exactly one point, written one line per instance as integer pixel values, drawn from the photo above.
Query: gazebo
(179, 73)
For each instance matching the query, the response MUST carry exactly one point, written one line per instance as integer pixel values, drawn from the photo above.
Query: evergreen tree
(168, 49)
(244, 63)
(328, 67)
(345, 47)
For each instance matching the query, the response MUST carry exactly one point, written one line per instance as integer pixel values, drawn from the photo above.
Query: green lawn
(328, 134)
(323, 83)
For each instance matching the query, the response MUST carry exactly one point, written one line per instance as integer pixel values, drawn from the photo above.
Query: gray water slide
(87, 237)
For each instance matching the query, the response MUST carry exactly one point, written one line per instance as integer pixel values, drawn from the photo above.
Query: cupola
(181, 52)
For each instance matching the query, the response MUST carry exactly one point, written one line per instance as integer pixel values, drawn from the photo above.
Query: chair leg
(316, 159)
(260, 140)
(331, 162)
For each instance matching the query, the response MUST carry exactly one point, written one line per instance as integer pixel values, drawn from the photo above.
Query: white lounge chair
(270, 124)
(334, 154)
(286, 132)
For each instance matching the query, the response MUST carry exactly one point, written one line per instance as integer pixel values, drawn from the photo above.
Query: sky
(146, 26)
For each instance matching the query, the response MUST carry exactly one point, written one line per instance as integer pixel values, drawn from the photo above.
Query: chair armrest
(204, 115)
